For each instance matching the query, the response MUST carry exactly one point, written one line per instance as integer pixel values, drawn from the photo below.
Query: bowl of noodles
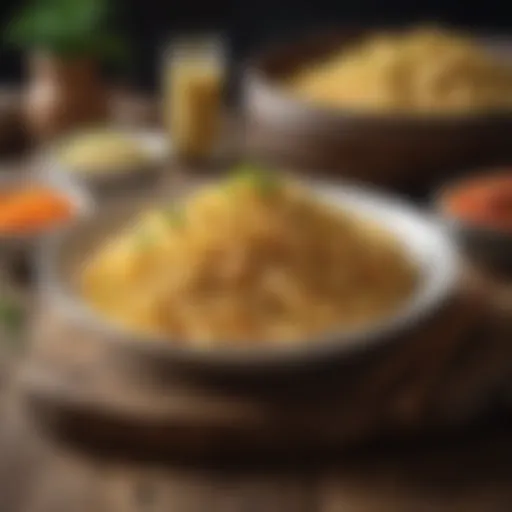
(393, 107)
(251, 272)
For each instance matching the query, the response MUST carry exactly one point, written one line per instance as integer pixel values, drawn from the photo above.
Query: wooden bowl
(397, 152)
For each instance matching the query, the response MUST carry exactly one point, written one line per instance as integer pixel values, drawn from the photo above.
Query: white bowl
(155, 144)
(423, 239)
(486, 246)
(23, 245)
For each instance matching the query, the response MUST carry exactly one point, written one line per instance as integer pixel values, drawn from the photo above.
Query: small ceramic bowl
(114, 180)
(21, 248)
(483, 245)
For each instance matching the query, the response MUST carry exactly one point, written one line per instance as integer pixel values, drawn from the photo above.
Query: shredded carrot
(486, 201)
(32, 209)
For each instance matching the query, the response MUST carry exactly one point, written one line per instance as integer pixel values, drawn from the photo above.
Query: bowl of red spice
(478, 209)
(32, 208)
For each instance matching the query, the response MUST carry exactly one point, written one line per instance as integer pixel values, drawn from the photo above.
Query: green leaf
(174, 215)
(265, 180)
(68, 28)
(11, 317)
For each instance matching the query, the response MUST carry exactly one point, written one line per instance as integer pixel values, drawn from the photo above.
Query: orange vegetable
(484, 201)
(32, 209)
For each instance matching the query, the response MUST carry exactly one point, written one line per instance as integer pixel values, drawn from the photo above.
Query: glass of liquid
(193, 83)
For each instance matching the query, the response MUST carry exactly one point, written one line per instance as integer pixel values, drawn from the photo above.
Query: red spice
(486, 201)
(31, 209)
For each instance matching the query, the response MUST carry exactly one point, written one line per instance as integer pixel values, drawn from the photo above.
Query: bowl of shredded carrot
(32, 208)
(478, 209)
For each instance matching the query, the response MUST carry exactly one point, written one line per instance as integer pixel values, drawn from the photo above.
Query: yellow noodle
(244, 262)
(425, 70)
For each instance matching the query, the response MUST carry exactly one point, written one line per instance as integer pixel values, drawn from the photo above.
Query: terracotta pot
(62, 95)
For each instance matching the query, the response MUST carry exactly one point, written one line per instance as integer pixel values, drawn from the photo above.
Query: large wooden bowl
(386, 150)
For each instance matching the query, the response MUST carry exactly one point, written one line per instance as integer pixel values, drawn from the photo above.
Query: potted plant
(67, 40)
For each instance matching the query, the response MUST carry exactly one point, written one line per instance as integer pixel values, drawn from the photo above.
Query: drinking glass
(193, 83)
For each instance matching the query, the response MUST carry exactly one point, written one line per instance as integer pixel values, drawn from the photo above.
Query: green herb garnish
(174, 215)
(11, 317)
(266, 181)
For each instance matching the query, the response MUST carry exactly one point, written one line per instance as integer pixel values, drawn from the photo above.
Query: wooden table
(468, 472)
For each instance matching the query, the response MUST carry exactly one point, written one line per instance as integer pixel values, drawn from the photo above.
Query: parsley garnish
(174, 215)
(265, 180)
(11, 317)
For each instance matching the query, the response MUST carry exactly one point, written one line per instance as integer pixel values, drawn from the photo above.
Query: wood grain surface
(469, 471)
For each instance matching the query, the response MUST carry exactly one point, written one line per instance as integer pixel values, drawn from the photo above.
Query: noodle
(255, 259)
(425, 70)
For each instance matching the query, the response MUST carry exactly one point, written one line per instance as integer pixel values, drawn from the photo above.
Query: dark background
(250, 23)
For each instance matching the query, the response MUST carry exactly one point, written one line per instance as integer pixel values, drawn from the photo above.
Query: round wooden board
(443, 376)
